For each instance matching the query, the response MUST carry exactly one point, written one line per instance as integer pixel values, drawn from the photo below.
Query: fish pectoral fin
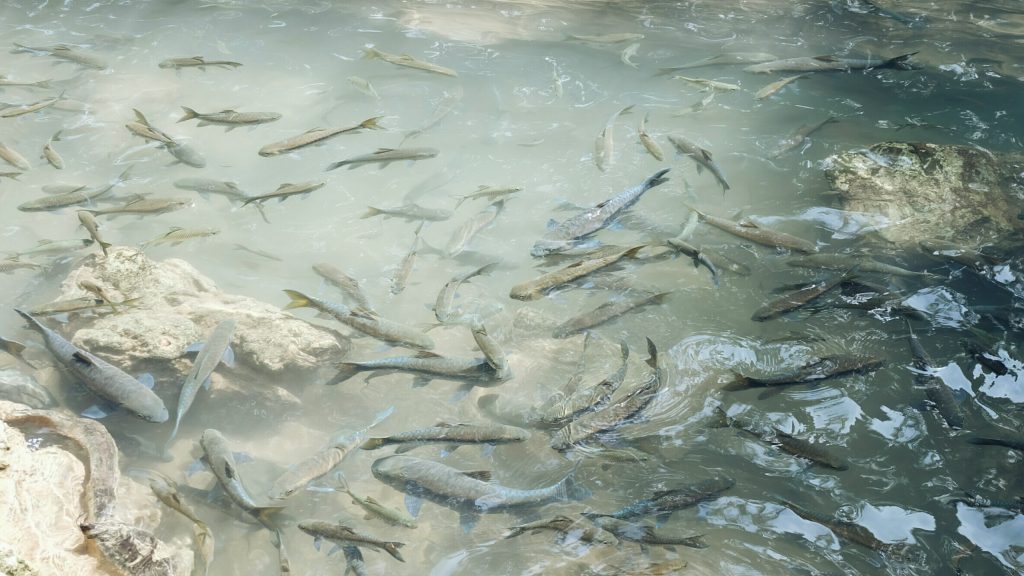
(482, 475)
(95, 412)
(146, 380)
(317, 542)
(194, 348)
(413, 505)
(661, 519)
(228, 357)
(82, 357)
(384, 150)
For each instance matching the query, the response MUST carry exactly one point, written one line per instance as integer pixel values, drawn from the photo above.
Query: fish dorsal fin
(198, 59)
(82, 357)
(481, 475)
(173, 230)
(747, 223)
(662, 494)
(443, 424)
(363, 313)
(574, 265)
(427, 354)
(706, 154)
(383, 150)
(44, 242)
(826, 58)
(228, 111)
(601, 204)
(317, 129)
(140, 116)
(283, 186)
(371, 500)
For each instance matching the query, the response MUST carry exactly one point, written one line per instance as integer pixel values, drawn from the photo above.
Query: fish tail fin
(658, 178)
(373, 443)
(900, 62)
(335, 165)
(371, 123)
(632, 252)
(572, 489)
(104, 246)
(372, 54)
(30, 319)
(298, 300)
(738, 382)
(392, 548)
(189, 114)
(371, 212)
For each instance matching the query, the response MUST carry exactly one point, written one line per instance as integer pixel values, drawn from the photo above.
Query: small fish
(798, 137)
(257, 252)
(385, 156)
(442, 110)
(1006, 442)
(798, 299)
(215, 350)
(444, 305)
(221, 460)
(953, 252)
(488, 192)
(815, 452)
(74, 305)
(451, 434)
(426, 365)
(492, 351)
(776, 86)
(80, 196)
(644, 534)
(748, 229)
(177, 235)
(186, 154)
(410, 212)
(14, 176)
(698, 105)
(708, 84)
(667, 501)
(984, 357)
(556, 82)
(814, 370)
(627, 53)
(863, 264)
(12, 157)
(653, 147)
(613, 38)
(559, 411)
(341, 534)
(605, 312)
(567, 528)
(229, 118)
(317, 136)
(375, 509)
(401, 275)
(54, 248)
(345, 283)
(604, 145)
(8, 266)
(198, 62)
(699, 155)
(285, 191)
(538, 287)
(830, 63)
(722, 59)
(144, 205)
(846, 530)
(710, 260)
(364, 86)
(408, 62)
(206, 186)
(465, 233)
(51, 155)
(64, 52)
(141, 127)
(371, 325)
(5, 81)
(14, 111)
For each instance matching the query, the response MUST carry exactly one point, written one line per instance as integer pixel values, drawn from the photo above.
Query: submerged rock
(933, 191)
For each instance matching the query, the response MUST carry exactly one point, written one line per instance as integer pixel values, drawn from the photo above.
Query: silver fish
(776, 86)
(51, 155)
(345, 283)
(401, 275)
(492, 351)
(570, 233)
(197, 62)
(709, 84)
(488, 192)
(612, 38)
(372, 325)
(451, 435)
(830, 63)
(5, 81)
(141, 127)
(644, 534)
(567, 528)
(14, 111)
(54, 248)
(285, 191)
(385, 156)
(81, 196)
(12, 157)
(221, 461)
(103, 379)
(376, 509)
(604, 313)
(699, 155)
(73, 305)
(798, 299)
(143, 205)
(850, 261)
(799, 136)
(8, 266)
(177, 235)
(538, 287)
(605, 144)
(186, 154)
(721, 60)
(648, 142)
(215, 350)
(410, 212)
(341, 534)
(748, 229)
(425, 365)
(64, 52)
(206, 186)
(465, 234)
(316, 136)
(408, 62)
(557, 413)
(444, 306)
(229, 118)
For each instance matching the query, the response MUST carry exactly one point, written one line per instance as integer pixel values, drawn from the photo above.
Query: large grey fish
(185, 154)
(935, 389)
(216, 349)
(401, 275)
(465, 233)
(51, 155)
(82, 196)
(569, 234)
(385, 156)
(604, 145)
(492, 351)
(221, 461)
(644, 534)
(12, 157)
(143, 205)
(341, 534)
(814, 370)
(798, 299)
(5, 81)
(699, 155)
(425, 365)
(64, 52)
(410, 212)
(14, 111)
(536, 288)
(830, 63)
(450, 434)
(748, 229)
(103, 379)
(846, 530)
(362, 321)
(614, 414)
(407, 61)
(488, 192)
(444, 305)
(665, 502)
(559, 413)
(285, 191)
(456, 489)
(799, 136)
(814, 451)
(197, 62)
(345, 283)
(951, 251)
(207, 186)
(850, 261)
(300, 474)
(231, 119)
(567, 528)
(721, 60)
(605, 312)
(316, 136)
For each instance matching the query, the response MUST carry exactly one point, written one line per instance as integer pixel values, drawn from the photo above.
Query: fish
(13, 176)
(604, 145)
(569, 234)
(953, 252)
(567, 528)
(441, 111)
(375, 509)
(141, 127)
(492, 351)
(202, 536)
(935, 390)
(81, 196)
(354, 561)
(556, 82)
(207, 186)
(341, 534)
(405, 266)
(612, 38)
(229, 118)
(488, 192)
(215, 350)
(425, 365)
(408, 62)
(317, 136)
(64, 52)
(468, 492)
(221, 461)
(12, 157)
(450, 434)
(101, 378)
(863, 264)
(815, 452)
(538, 287)
(410, 212)
(300, 474)
(364, 86)
(347, 284)
(177, 235)
(54, 248)
(814, 370)
(709, 84)
(369, 324)
(444, 305)
(257, 252)
(144, 205)
(848, 531)
(665, 502)
(830, 63)
(645, 535)
(97, 290)
(465, 233)
(984, 357)
(699, 155)
(559, 412)
(8, 266)
(776, 86)
(186, 154)
(385, 156)
(75, 305)
(605, 312)
(51, 155)
(14, 111)
(166, 491)
(798, 137)
(198, 62)
(1006, 442)
(652, 147)
(749, 230)
(285, 191)
(627, 53)
(710, 260)
(44, 84)
(798, 299)
(615, 414)
(722, 59)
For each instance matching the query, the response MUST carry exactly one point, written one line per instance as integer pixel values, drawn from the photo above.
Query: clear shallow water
(511, 125)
